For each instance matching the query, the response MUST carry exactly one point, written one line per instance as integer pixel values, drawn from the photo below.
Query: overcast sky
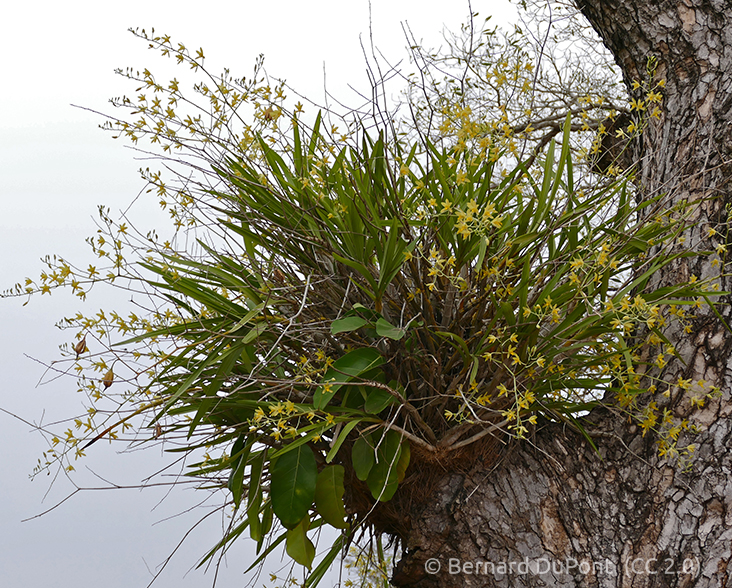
(56, 166)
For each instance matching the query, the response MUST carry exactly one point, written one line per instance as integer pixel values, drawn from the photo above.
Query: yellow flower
(509, 414)
(463, 230)
(489, 211)
(683, 384)
(555, 314)
(637, 104)
(697, 401)
(484, 400)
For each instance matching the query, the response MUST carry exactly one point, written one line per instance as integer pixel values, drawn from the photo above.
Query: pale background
(56, 166)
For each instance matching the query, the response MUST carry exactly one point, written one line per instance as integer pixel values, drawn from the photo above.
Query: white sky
(55, 168)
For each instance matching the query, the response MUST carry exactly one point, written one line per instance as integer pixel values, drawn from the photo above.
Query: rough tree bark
(631, 518)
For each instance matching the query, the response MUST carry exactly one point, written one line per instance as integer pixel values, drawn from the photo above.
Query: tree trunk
(553, 512)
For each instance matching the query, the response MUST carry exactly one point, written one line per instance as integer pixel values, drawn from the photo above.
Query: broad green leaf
(377, 400)
(329, 492)
(383, 479)
(292, 488)
(347, 324)
(362, 456)
(404, 459)
(345, 369)
(299, 547)
(386, 329)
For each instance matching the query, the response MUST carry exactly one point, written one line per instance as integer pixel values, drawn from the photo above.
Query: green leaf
(255, 332)
(292, 488)
(270, 548)
(383, 479)
(265, 526)
(347, 324)
(317, 574)
(228, 538)
(377, 400)
(254, 497)
(362, 456)
(341, 438)
(299, 547)
(240, 455)
(386, 329)
(329, 492)
(247, 317)
(361, 269)
(345, 369)
(456, 341)
(267, 515)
